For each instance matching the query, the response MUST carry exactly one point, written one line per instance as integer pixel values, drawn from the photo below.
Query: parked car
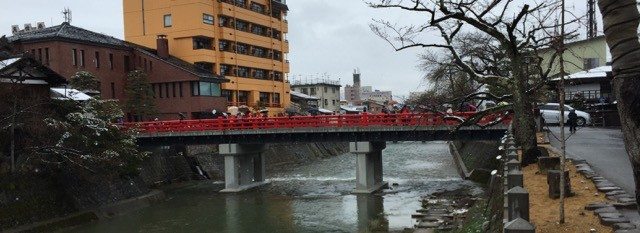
(551, 114)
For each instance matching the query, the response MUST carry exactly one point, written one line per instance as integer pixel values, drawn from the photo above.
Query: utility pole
(562, 96)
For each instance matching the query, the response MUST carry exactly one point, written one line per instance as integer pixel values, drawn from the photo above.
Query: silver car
(551, 114)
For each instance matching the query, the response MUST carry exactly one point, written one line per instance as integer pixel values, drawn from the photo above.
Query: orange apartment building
(244, 40)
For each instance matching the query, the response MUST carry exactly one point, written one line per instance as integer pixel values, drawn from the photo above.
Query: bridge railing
(364, 120)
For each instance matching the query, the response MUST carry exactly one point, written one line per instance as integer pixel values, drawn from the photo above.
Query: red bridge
(241, 140)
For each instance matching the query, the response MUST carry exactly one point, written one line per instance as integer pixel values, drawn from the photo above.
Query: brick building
(179, 86)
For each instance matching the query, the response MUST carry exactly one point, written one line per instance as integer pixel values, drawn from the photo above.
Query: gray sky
(327, 37)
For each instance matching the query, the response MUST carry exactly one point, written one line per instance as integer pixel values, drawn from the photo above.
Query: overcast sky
(327, 37)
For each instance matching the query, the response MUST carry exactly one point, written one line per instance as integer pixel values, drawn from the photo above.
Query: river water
(307, 198)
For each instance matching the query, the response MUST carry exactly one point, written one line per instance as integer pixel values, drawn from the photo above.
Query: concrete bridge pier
(243, 166)
(368, 166)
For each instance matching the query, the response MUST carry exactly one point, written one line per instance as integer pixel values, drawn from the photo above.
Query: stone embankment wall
(475, 159)
(276, 155)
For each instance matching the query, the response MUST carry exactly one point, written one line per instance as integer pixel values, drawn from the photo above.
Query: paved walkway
(604, 150)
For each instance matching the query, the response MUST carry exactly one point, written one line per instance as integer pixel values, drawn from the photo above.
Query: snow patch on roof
(7, 62)
(69, 94)
(303, 96)
(598, 72)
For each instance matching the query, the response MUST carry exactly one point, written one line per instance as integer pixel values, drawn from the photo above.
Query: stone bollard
(518, 203)
(515, 178)
(513, 165)
(512, 155)
(548, 163)
(519, 225)
(553, 180)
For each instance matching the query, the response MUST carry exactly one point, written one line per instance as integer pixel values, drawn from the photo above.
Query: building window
(205, 89)
(241, 3)
(242, 48)
(264, 97)
(207, 19)
(180, 88)
(208, 66)
(40, 54)
(223, 21)
(259, 73)
(174, 89)
(113, 90)
(160, 91)
(333, 102)
(312, 91)
(334, 90)
(97, 57)
(259, 52)
(590, 63)
(166, 88)
(46, 56)
(277, 55)
(82, 58)
(326, 90)
(74, 57)
(326, 102)
(202, 42)
(225, 69)
(243, 97)
(276, 98)
(150, 65)
(168, 21)
(127, 64)
(228, 95)
(258, 30)
(243, 72)
(257, 7)
(242, 25)
(276, 34)
(145, 64)
(304, 91)
(223, 45)
(111, 61)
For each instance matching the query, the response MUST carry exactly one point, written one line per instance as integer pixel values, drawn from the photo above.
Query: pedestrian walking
(572, 121)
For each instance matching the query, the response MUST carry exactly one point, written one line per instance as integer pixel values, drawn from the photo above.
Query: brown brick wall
(60, 60)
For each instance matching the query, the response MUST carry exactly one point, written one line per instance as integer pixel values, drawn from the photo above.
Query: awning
(325, 111)
(68, 94)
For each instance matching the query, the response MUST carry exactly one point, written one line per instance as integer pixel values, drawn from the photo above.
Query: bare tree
(513, 32)
(621, 19)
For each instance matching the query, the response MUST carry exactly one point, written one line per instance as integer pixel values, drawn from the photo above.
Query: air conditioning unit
(40, 25)
(15, 29)
(27, 27)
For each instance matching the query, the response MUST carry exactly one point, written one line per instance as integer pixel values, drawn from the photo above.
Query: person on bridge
(572, 121)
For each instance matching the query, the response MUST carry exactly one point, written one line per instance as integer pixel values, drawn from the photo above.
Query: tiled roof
(66, 31)
(177, 62)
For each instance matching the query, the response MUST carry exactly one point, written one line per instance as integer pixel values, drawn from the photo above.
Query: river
(314, 197)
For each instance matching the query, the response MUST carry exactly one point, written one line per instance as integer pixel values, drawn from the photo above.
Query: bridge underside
(369, 134)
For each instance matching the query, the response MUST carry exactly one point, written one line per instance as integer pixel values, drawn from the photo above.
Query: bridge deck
(368, 127)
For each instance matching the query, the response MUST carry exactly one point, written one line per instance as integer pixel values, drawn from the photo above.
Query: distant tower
(592, 24)
(356, 78)
(67, 15)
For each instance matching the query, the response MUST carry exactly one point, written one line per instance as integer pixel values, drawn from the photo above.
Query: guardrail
(364, 120)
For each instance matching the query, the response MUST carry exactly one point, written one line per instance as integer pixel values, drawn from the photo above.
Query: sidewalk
(604, 150)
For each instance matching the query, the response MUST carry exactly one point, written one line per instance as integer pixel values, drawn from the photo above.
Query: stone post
(518, 203)
(553, 180)
(513, 165)
(519, 225)
(515, 178)
(243, 166)
(368, 166)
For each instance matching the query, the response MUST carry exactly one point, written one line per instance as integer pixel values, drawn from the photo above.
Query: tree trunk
(525, 126)
(621, 19)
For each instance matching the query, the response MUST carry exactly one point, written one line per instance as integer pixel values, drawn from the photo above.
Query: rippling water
(308, 198)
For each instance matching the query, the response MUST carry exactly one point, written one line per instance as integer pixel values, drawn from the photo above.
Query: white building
(377, 96)
(327, 92)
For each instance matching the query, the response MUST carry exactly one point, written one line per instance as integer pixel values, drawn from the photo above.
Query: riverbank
(44, 203)
(297, 194)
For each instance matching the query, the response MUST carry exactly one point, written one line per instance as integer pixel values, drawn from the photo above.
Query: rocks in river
(443, 211)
